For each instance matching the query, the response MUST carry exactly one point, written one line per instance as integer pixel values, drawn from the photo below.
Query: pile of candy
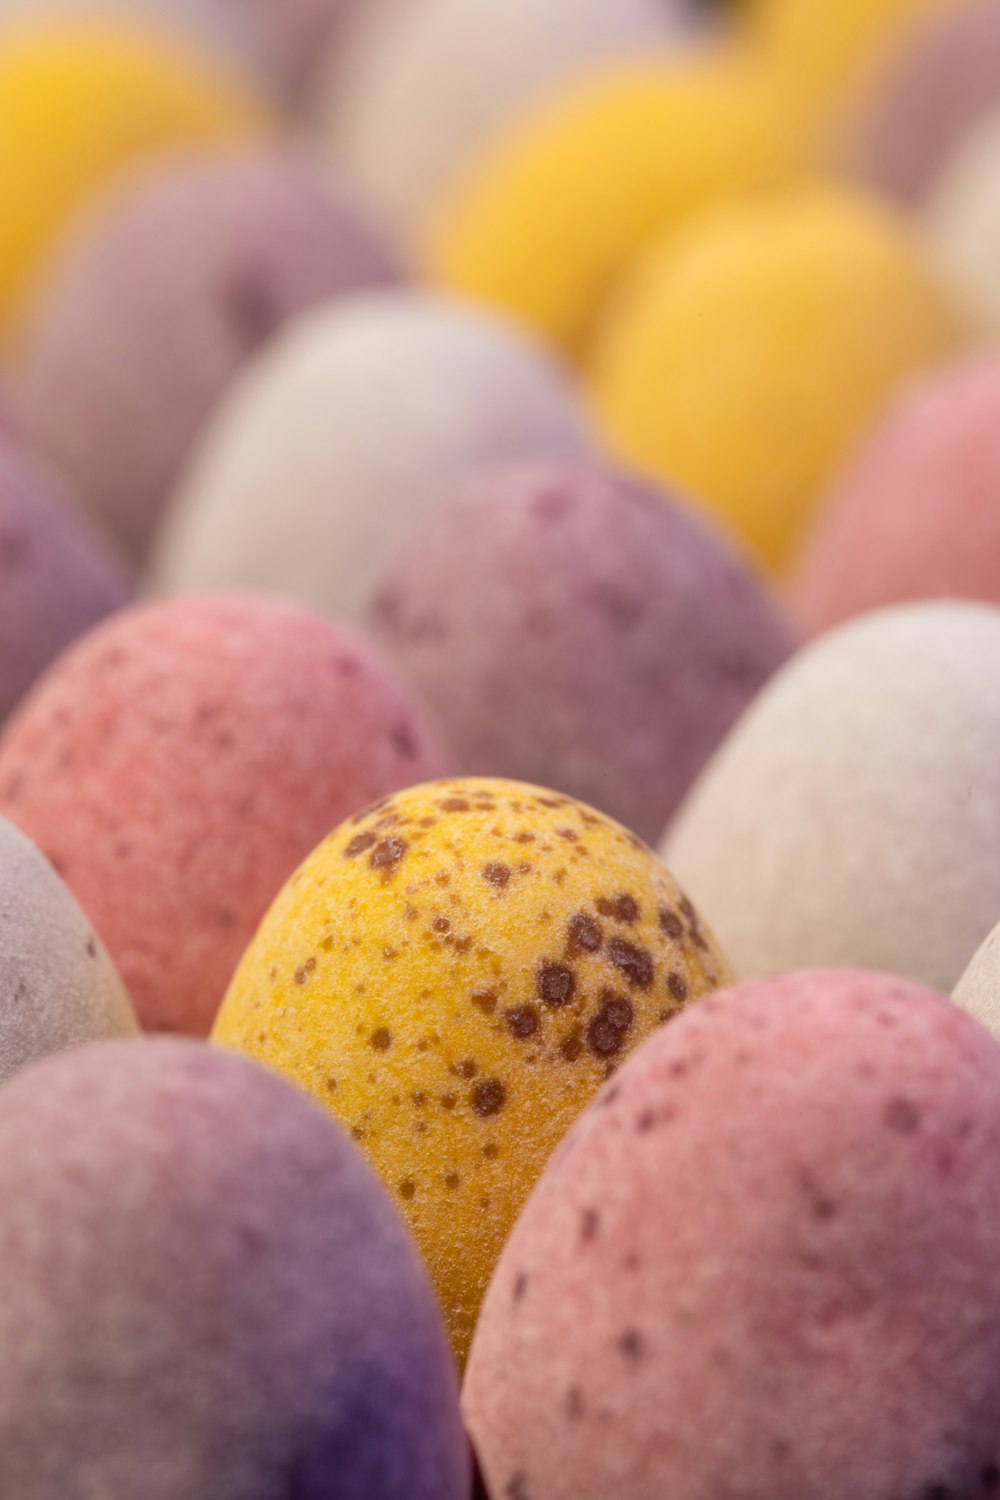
(448, 450)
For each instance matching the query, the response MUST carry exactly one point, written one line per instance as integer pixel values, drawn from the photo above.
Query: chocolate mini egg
(208, 1294)
(853, 816)
(58, 987)
(179, 762)
(716, 365)
(158, 300)
(57, 578)
(572, 627)
(453, 973)
(81, 102)
(340, 440)
(420, 87)
(962, 224)
(546, 222)
(915, 514)
(764, 1264)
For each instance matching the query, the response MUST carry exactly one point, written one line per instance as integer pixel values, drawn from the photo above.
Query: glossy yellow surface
(81, 104)
(545, 223)
(743, 359)
(453, 974)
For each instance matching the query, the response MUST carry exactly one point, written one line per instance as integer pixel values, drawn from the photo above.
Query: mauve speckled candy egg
(207, 1294)
(58, 987)
(764, 1264)
(577, 629)
(57, 578)
(179, 762)
(156, 302)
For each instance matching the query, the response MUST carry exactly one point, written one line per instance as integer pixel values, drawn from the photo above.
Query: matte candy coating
(58, 987)
(179, 762)
(550, 218)
(915, 514)
(453, 974)
(342, 437)
(208, 1294)
(154, 304)
(978, 990)
(717, 362)
(763, 1264)
(577, 629)
(57, 579)
(853, 816)
(79, 104)
(962, 223)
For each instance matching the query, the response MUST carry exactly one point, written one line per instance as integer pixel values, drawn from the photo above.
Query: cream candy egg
(962, 223)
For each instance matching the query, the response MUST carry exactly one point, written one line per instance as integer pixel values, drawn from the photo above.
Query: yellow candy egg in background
(547, 220)
(81, 103)
(744, 357)
(453, 974)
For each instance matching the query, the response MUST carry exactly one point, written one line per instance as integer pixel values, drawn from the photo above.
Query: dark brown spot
(359, 843)
(694, 924)
(678, 986)
(357, 1132)
(556, 984)
(572, 1045)
(496, 875)
(387, 855)
(524, 838)
(607, 1030)
(523, 1021)
(622, 908)
(451, 1181)
(635, 963)
(407, 1188)
(584, 935)
(486, 1001)
(91, 946)
(381, 1039)
(590, 1224)
(302, 974)
(491, 1150)
(448, 1101)
(632, 1345)
(467, 1068)
(488, 1097)
(569, 834)
(454, 805)
(671, 924)
(902, 1115)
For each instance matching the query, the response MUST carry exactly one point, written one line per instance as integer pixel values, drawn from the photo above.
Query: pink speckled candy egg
(573, 628)
(764, 1264)
(207, 1295)
(917, 513)
(57, 579)
(180, 762)
(160, 298)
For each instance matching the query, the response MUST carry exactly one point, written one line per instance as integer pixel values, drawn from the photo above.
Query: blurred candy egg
(763, 1264)
(58, 987)
(453, 974)
(208, 1294)
(577, 629)
(978, 990)
(853, 816)
(743, 358)
(180, 761)
(962, 224)
(155, 304)
(342, 437)
(916, 513)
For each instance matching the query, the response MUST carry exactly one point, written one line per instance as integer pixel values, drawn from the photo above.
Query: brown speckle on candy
(488, 1097)
(556, 984)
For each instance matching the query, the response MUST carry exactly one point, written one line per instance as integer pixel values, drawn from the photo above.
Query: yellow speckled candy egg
(545, 222)
(82, 102)
(743, 358)
(454, 973)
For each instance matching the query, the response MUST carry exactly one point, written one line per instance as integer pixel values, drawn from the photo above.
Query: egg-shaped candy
(571, 627)
(341, 439)
(58, 987)
(421, 87)
(82, 102)
(763, 1264)
(546, 222)
(57, 578)
(852, 816)
(179, 762)
(453, 973)
(978, 990)
(932, 89)
(915, 514)
(962, 224)
(743, 358)
(208, 1294)
(154, 305)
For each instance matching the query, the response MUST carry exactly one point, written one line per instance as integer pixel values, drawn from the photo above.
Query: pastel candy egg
(575, 628)
(546, 222)
(978, 990)
(81, 103)
(420, 87)
(962, 223)
(763, 1264)
(346, 434)
(179, 762)
(157, 301)
(453, 973)
(58, 987)
(914, 515)
(852, 816)
(208, 1294)
(717, 361)
(57, 579)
